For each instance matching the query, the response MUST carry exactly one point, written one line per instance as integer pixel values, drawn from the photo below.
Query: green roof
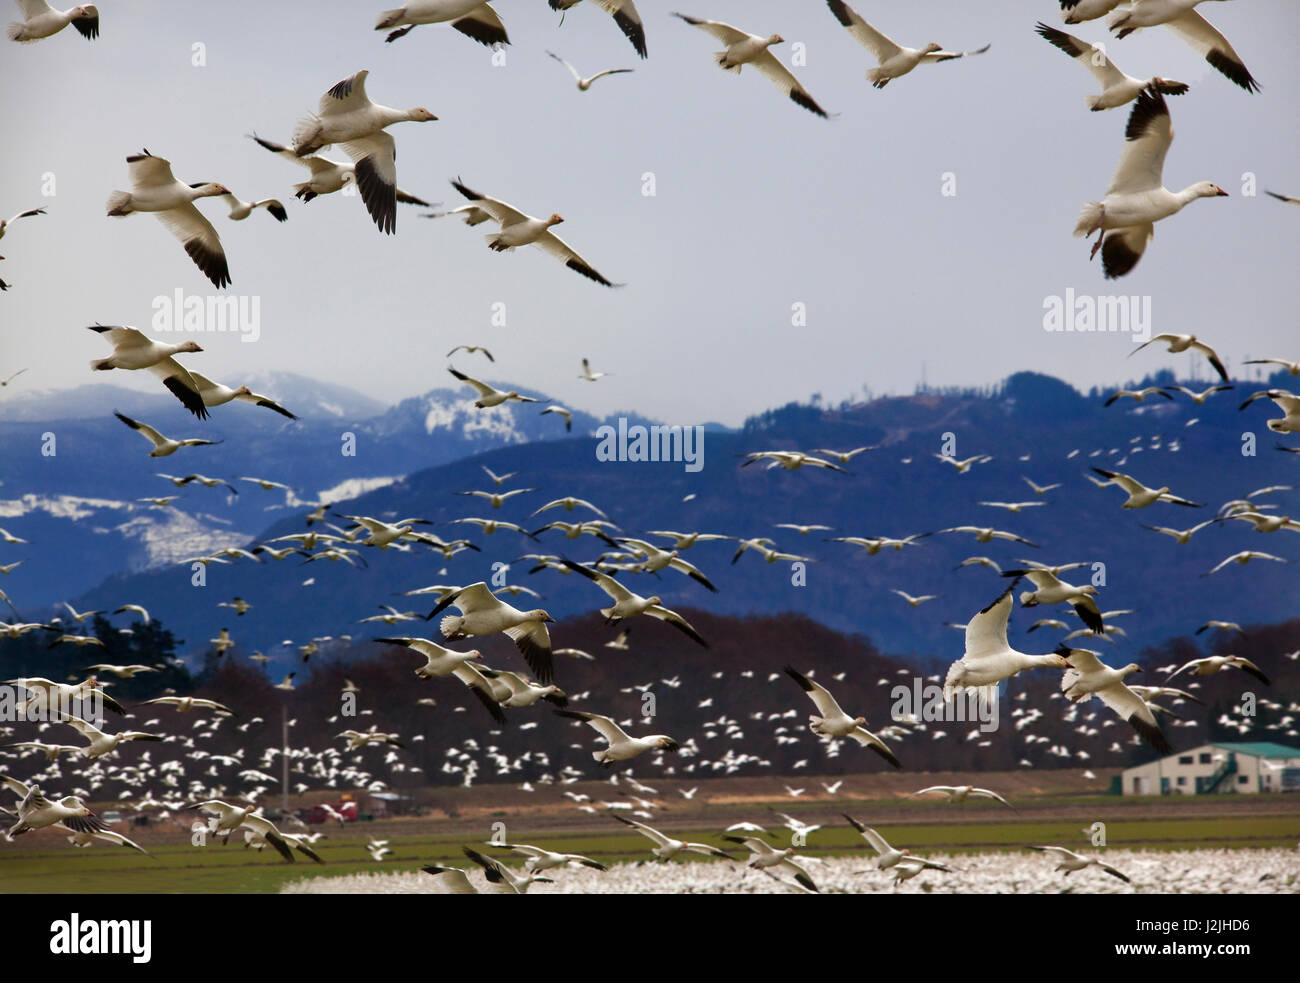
(1260, 749)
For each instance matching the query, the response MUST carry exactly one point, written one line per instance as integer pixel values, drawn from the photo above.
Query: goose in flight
(121, 672)
(240, 210)
(40, 21)
(1264, 522)
(1209, 665)
(1088, 676)
(1180, 536)
(230, 818)
(1180, 16)
(963, 466)
(1013, 507)
(762, 857)
(155, 189)
(1039, 490)
(1187, 342)
(5, 382)
(915, 602)
(1140, 496)
(844, 457)
(439, 661)
(1138, 395)
(35, 811)
(1071, 861)
(958, 794)
(790, 460)
(685, 540)
(518, 229)
(162, 446)
(487, 395)
(522, 692)
(4, 227)
(986, 534)
(988, 658)
(1292, 368)
(1149, 693)
(473, 18)
(1287, 402)
(622, 746)
(750, 49)
(874, 545)
(539, 859)
(1117, 87)
(585, 83)
(497, 499)
(1201, 397)
(894, 59)
(133, 350)
(188, 704)
(886, 855)
(346, 116)
(564, 414)
(589, 375)
(569, 503)
(202, 479)
(625, 16)
(1243, 557)
(834, 722)
(666, 847)
(1220, 626)
(45, 693)
(327, 176)
(470, 350)
(1137, 198)
(483, 613)
(1050, 589)
(657, 559)
(628, 604)
(1078, 11)
(100, 743)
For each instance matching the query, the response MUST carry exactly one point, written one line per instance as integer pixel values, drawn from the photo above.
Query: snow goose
(155, 189)
(1050, 589)
(1071, 861)
(958, 794)
(1137, 395)
(1137, 199)
(230, 818)
(4, 222)
(988, 658)
(501, 879)
(188, 704)
(1013, 507)
(913, 601)
(487, 395)
(327, 176)
(36, 811)
(1088, 676)
(1245, 556)
(1187, 342)
(874, 544)
(1117, 87)
(473, 18)
(1292, 368)
(40, 20)
(487, 691)
(589, 375)
(1209, 665)
(1290, 201)
(202, 479)
(585, 83)
(834, 722)
(497, 499)
(1264, 522)
(539, 859)
(685, 540)
(1039, 490)
(986, 534)
(1181, 17)
(666, 847)
(346, 116)
(162, 446)
(519, 229)
(215, 394)
(471, 349)
(1180, 536)
(656, 559)
(240, 210)
(1078, 11)
(1149, 693)
(133, 350)
(1221, 626)
(844, 457)
(622, 746)
(625, 16)
(569, 503)
(963, 466)
(4, 382)
(121, 672)
(762, 857)
(894, 59)
(628, 604)
(100, 743)
(46, 693)
(1198, 397)
(790, 460)
(563, 413)
(483, 613)
(744, 48)
(1140, 496)
(524, 692)
(1287, 402)
(886, 855)
(439, 661)
(450, 880)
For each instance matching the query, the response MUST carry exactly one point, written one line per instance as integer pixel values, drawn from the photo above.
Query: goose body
(40, 21)
(989, 658)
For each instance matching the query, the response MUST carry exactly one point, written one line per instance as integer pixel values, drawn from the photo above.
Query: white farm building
(1216, 769)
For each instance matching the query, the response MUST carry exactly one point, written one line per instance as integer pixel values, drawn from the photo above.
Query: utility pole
(284, 761)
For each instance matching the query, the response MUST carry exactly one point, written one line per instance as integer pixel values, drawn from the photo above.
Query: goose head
(473, 654)
(209, 189)
(654, 599)
(86, 10)
(932, 46)
(1131, 668)
(1208, 189)
(420, 115)
(244, 391)
(189, 346)
(860, 721)
(554, 220)
(539, 615)
(74, 803)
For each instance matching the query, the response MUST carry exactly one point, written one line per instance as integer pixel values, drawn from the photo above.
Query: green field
(54, 868)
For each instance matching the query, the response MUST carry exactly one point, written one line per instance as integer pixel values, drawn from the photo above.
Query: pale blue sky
(759, 204)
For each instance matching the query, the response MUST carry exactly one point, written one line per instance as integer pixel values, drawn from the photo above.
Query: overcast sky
(759, 205)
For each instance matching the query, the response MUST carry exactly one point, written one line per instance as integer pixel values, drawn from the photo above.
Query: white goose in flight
(765, 857)
(1209, 665)
(240, 210)
(1078, 11)
(35, 811)
(1287, 402)
(834, 722)
(744, 48)
(519, 229)
(622, 746)
(1137, 197)
(886, 855)
(100, 743)
(988, 658)
(1178, 343)
(539, 859)
(155, 189)
(162, 445)
(625, 16)
(439, 661)
(666, 847)
(473, 18)
(133, 350)
(40, 21)
(327, 176)
(628, 604)
(958, 794)
(894, 59)
(1180, 16)
(1051, 589)
(1088, 676)
(585, 83)
(346, 116)
(1117, 87)
(1140, 496)
(1071, 861)
(489, 396)
(483, 613)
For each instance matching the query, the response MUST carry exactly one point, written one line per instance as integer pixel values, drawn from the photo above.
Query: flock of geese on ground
(346, 116)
